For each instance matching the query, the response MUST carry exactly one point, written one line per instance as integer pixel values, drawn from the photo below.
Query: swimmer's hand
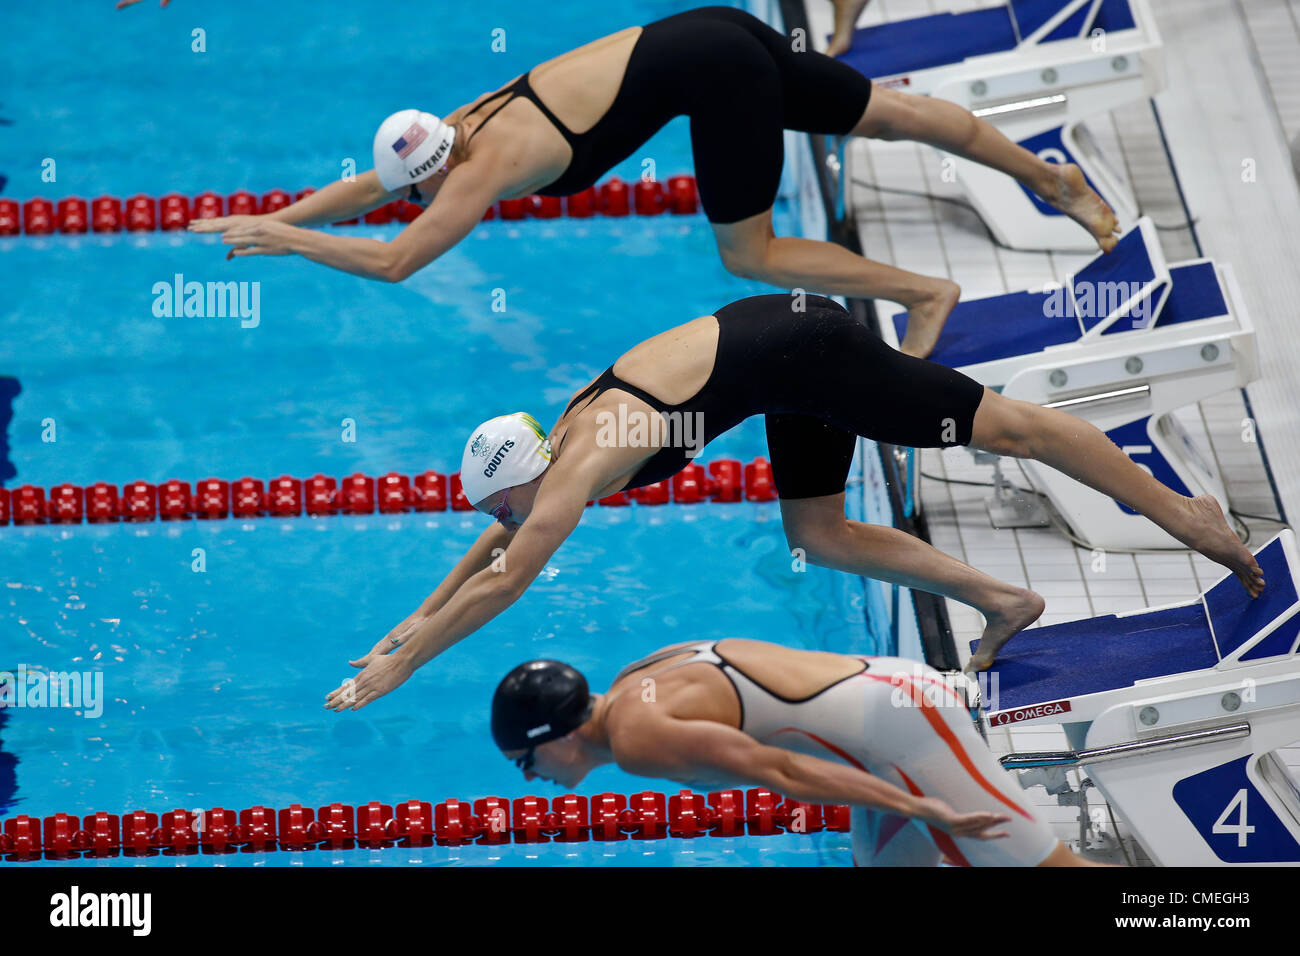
(221, 223)
(254, 235)
(123, 4)
(381, 674)
(977, 826)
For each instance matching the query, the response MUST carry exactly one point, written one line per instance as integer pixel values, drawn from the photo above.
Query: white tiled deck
(1234, 93)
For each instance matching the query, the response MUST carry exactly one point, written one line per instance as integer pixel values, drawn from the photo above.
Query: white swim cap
(411, 146)
(503, 452)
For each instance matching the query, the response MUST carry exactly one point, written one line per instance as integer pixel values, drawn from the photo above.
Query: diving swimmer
(892, 738)
(556, 129)
(822, 379)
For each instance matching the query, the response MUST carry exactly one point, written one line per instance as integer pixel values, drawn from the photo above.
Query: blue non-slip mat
(1001, 326)
(905, 46)
(1097, 654)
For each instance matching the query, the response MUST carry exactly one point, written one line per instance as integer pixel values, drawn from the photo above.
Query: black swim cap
(537, 702)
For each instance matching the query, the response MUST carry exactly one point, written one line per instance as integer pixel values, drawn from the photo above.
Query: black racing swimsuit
(741, 84)
(821, 378)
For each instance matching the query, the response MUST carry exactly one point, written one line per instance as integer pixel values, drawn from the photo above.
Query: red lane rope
(606, 817)
(725, 480)
(142, 213)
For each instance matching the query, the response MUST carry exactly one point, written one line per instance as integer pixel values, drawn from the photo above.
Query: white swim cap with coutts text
(501, 453)
(411, 146)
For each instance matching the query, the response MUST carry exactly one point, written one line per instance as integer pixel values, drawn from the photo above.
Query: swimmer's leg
(1073, 446)
(830, 540)
(751, 250)
(891, 115)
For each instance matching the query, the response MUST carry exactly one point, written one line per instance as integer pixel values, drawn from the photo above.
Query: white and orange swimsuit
(903, 722)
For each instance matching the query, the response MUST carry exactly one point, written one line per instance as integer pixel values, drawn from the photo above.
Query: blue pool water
(214, 679)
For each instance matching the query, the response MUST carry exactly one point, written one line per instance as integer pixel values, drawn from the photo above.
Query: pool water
(214, 677)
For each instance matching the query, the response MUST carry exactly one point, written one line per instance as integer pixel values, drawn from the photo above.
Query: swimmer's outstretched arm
(487, 593)
(489, 546)
(461, 202)
(341, 199)
(688, 750)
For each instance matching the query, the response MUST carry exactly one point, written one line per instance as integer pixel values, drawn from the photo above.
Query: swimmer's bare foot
(926, 316)
(1069, 192)
(1004, 619)
(1207, 531)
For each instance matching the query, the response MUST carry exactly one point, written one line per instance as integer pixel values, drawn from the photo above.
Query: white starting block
(1177, 713)
(1129, 340)
(1036, 69)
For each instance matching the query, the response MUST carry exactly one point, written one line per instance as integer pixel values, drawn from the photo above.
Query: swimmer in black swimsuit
(558, 128)
(821, 379)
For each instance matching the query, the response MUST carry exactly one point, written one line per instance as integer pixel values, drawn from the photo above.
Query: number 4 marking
(1240, 829)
